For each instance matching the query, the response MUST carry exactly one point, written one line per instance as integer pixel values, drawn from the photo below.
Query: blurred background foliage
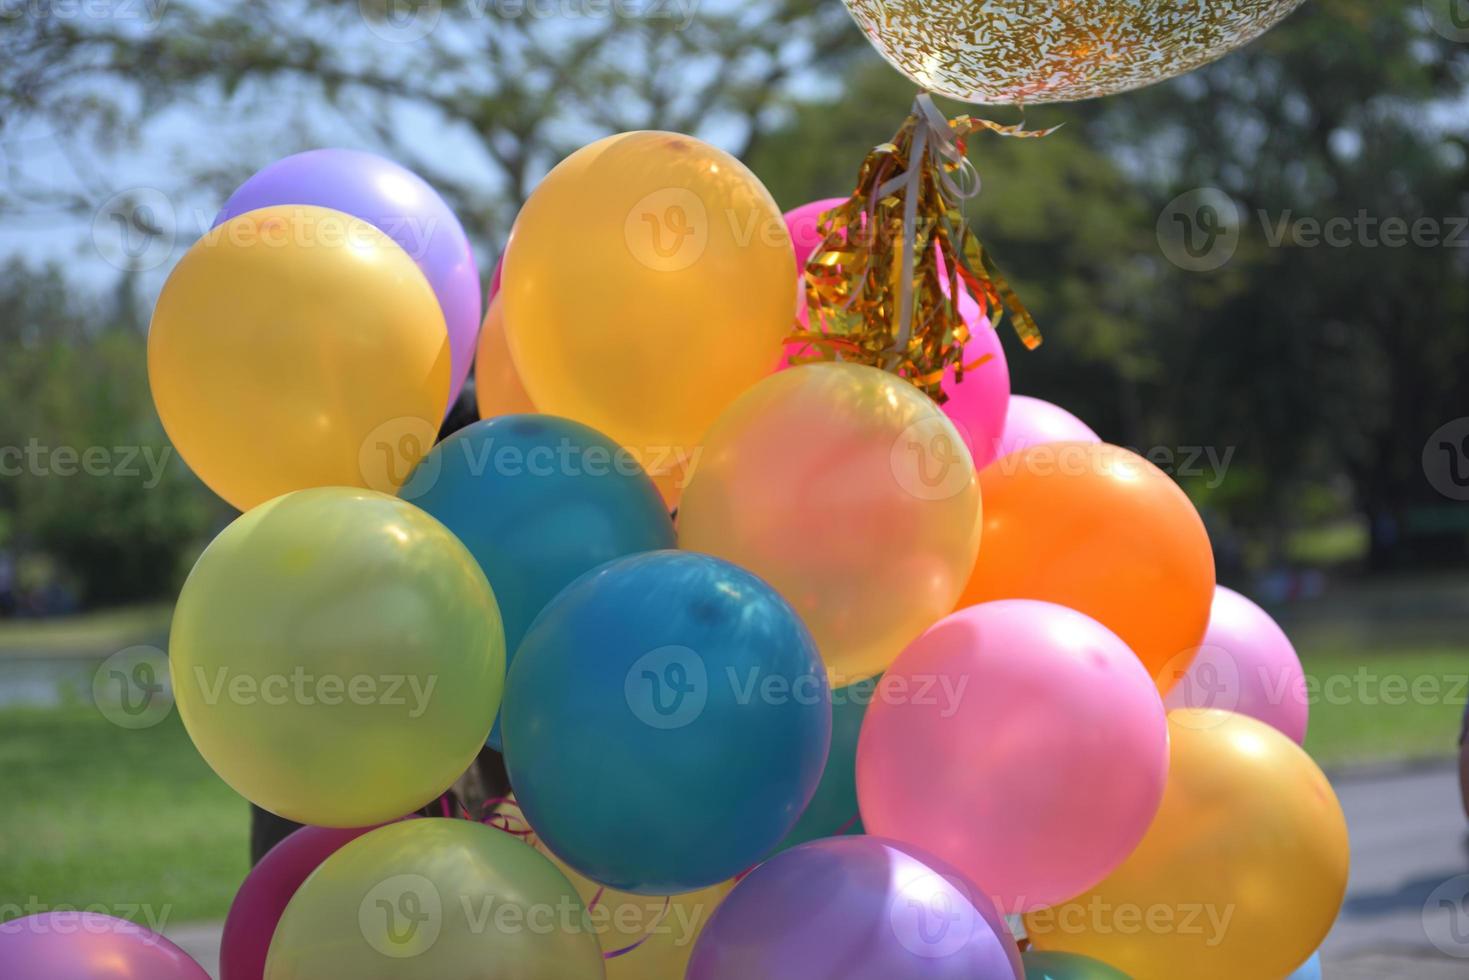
(1313, 373)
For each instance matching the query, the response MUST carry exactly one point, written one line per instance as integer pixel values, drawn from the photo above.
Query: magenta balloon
(1021, 741)
(978, 405)
(1246, 664)
(266, 891)
(89, 946)
(855, 908)
(495, 278)
(1033, 422)
(403, 206)
(801, 223)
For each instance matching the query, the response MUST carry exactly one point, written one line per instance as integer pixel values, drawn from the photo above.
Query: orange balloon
(1104, 531)
(497, 386)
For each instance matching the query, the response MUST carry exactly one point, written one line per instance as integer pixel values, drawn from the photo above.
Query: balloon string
(516, 825)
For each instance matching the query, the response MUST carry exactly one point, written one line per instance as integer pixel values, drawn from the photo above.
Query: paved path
(1407, 911)
(1405, 916)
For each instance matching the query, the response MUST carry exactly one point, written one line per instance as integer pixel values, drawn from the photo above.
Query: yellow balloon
(295, 347)
(648, 281)
(1021, 51)
(849, 491)
(434, 899)
(653, 936)
(337, 657)
(1241, 874)
(497, 387)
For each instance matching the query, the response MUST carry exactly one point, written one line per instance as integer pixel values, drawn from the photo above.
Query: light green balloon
(337, 656)
(436, 899)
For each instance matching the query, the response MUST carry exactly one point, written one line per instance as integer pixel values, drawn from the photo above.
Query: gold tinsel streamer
(875, 293)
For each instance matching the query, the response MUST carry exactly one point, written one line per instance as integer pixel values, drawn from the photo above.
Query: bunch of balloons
(895, 668)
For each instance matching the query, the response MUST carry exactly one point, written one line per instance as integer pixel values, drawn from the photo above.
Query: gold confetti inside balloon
(1028, 51)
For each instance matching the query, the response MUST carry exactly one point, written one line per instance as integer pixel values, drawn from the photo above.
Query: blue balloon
(538, 500)
(667, 720)
(833, 811)
(1310, 970)
(1067, 966)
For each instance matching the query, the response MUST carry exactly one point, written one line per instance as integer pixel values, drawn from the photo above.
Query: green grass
(1386, 704)
(103, 632)
(95, 814)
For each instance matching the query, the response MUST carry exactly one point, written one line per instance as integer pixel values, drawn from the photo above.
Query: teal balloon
(667, 720)
(832, 812)
(1067, 966)
(538, 500)
(1310, 970)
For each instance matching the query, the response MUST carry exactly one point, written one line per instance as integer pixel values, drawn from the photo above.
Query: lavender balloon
(855, 908)
(1033, 422)
(400, 204)
(89, 946)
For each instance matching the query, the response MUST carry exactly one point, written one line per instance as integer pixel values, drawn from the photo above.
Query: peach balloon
(1104, 531)
(849, 491)
(497, 387)
(1020, 741)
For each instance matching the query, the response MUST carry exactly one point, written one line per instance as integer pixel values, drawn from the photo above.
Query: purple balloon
(89, 946)
(257, 908)
(1034, 422)
(400, 204)
(1246, 664)
(855, 908)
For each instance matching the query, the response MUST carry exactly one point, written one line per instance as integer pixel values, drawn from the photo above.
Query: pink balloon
(978, 405)
(1033, 422)
(1246, 664)
(801, 223)
(265, 893)
(89, 946)
(495, 278)
(1022, 742)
